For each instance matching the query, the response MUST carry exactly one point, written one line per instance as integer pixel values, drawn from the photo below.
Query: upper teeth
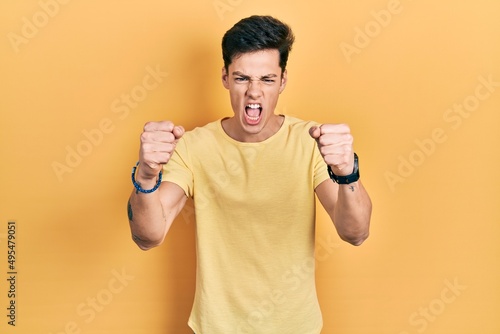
(253, 106)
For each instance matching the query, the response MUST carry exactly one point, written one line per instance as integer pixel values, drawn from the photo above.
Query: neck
(236, 132)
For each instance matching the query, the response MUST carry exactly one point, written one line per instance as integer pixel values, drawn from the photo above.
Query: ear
(284, 79)
(225, 78)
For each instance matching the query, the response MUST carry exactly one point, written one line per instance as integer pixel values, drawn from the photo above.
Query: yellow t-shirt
(255, 222)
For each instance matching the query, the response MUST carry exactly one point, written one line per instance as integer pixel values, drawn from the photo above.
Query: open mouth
(253, 112)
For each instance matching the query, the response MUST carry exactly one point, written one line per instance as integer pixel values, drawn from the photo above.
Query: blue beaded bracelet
(138, 186)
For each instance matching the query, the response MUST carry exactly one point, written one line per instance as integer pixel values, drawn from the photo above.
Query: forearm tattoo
(129, 211)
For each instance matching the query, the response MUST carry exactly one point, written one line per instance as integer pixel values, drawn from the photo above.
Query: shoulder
(299, 124)
(299, 127)
(201, 140)
(205, 132)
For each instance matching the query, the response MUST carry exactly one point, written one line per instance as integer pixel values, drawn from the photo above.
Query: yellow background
(434, 225)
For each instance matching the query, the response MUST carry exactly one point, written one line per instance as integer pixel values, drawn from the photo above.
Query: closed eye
(241, 79)
(268, 80)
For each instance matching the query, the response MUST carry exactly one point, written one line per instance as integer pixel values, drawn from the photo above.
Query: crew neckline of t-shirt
(232, 140)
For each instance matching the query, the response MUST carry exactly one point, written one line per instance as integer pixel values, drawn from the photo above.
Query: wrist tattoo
(352, 188)
(129, 211)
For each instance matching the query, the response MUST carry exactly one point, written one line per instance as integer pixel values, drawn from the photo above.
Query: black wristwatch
(348, 178)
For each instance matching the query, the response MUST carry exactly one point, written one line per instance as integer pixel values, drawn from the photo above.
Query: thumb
(315, 132)
(178, 132)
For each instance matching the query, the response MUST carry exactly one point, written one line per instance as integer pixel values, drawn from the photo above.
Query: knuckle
(326, 128)
(169, 137)
(323, 150)
(323, 140)
(172, 147)
(144, 136)
(167, 125)
(167, 148)
(148, 126)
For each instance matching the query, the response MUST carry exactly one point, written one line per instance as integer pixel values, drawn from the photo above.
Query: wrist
(145, 185)
(145, 178)
(346, 179)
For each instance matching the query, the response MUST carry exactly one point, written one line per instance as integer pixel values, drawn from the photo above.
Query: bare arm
(348, 205)
(151, 215)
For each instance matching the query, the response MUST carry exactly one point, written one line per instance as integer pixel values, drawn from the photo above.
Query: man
(253, 177)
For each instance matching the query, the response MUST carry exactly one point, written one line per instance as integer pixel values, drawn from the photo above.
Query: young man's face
(254, 81)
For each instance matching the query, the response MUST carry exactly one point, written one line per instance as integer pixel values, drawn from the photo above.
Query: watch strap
(353, 177)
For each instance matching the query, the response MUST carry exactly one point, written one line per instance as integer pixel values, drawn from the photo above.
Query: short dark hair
(257, 33)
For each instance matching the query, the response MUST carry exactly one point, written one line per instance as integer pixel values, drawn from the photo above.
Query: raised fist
(158, 142)
(335, 145)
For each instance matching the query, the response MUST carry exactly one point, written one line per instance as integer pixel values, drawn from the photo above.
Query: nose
(254, 90)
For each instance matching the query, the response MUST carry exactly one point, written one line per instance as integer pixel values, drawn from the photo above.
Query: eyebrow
(238, 73)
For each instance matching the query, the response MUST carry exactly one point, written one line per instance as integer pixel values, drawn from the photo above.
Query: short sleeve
(178, 170)
(320, 167)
